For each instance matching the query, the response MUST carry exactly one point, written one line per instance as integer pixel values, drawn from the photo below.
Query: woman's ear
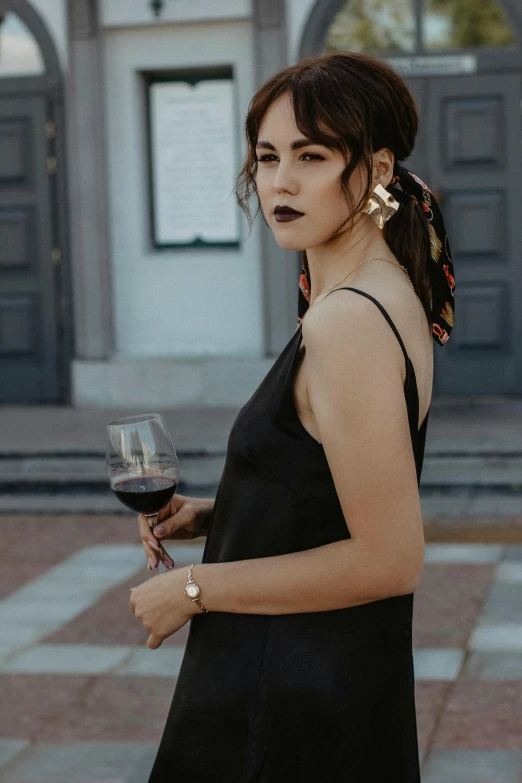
(382, 162)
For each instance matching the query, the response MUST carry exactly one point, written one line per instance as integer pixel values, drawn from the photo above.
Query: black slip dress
(316, 697)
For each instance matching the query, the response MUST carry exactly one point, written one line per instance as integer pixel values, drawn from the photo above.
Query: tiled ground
(84, 701)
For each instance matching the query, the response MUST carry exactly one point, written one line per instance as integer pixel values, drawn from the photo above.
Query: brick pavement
(84, 701)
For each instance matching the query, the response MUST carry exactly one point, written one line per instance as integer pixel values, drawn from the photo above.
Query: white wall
(174, 303)
(138, 12)
(54, 14)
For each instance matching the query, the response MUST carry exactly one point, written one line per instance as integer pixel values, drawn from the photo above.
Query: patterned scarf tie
(439, 265)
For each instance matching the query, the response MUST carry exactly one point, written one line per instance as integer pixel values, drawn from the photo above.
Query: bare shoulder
(347, 328)
(345, 335)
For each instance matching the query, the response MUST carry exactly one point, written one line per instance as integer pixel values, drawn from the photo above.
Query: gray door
(28, 323)
(469, 153)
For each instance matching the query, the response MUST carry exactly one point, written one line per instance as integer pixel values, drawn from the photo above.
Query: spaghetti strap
(385, 314)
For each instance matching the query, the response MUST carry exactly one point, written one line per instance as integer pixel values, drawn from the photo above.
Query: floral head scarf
(439, 265)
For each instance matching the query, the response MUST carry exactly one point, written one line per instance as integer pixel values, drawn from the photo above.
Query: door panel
(474, 162)
(479, 230)
(473, 130)
(28, 330)
(418, 160)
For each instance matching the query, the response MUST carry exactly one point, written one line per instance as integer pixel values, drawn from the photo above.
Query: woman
(298, 664)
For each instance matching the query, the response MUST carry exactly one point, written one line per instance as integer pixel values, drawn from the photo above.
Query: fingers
(171, 508)
(176, 525)
(132, 601)
(162, 553)
(154, 551)
(150, 545)
(153, 642)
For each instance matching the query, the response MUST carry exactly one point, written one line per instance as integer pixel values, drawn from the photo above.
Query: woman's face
(294, 172)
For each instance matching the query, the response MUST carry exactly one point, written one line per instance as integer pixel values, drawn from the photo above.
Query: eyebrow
(295, 145)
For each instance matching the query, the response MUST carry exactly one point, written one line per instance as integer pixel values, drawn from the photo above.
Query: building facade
(106, 298)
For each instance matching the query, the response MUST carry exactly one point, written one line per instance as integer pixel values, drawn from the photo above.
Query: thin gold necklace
(373, 258)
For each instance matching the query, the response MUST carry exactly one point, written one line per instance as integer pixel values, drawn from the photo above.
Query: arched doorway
(463, 63)
(34, 321)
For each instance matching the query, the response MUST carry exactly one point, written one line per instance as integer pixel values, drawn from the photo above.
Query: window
(377, 26)
(20, 53)
(464, 24)
(373, 26)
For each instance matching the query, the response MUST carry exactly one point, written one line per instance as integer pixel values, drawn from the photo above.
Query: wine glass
(142, 465)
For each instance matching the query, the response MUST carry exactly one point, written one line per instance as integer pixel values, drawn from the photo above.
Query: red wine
(147, 494)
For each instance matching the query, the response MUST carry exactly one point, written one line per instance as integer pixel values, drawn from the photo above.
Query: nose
(285, 181)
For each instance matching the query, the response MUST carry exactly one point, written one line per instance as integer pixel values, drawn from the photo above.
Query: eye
(307, 156)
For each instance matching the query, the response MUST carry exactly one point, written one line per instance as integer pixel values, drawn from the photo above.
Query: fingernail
(167, 559)
(159, 530)
(151, 564)
(154, 545)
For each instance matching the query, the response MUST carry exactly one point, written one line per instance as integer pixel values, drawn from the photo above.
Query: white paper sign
(193, 161)
(434, 65)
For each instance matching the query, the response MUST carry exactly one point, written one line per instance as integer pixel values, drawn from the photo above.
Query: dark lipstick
(286, 214)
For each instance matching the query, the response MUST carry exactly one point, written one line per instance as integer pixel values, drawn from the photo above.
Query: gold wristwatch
(192, 589)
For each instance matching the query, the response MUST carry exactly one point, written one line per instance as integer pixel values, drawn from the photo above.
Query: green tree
(389, 25)
(372, 25)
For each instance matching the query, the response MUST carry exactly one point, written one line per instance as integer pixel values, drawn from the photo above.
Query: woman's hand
(182, 518)
(162, 605)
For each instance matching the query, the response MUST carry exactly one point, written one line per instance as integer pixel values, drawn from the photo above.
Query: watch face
(192, 591)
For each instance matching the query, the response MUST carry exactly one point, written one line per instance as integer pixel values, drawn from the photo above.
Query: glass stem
(152, 519)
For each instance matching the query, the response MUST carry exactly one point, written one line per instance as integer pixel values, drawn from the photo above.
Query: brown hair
(356, 104)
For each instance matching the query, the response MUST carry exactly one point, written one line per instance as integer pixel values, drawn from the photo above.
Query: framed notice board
(193, 159)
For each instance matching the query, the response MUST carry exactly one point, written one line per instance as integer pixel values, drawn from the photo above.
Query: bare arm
(355, 383)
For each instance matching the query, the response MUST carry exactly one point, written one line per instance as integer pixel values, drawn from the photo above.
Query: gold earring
(381, 205)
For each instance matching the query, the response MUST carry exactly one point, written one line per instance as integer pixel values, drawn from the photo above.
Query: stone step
(473, 471)
(56, 473)
(77, 483)
(102, 502)
(60, 430)
(462, 508)
(81, 472)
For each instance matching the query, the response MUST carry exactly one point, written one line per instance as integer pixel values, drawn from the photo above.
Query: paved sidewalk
(84, 701)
